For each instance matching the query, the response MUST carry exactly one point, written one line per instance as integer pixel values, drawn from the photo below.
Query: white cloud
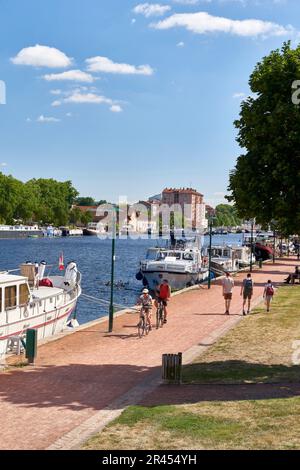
(55, 92)
(42, 56)
(69, 114)
(56, 103)
(3, 164)
(115, 108)
(151, 9)
(47, 119)
(92, 98)
(239, 95)
(203, 23)
(105, 65)
(70, 75)
(180, 44)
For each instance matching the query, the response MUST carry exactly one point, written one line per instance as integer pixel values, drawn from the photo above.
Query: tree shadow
(73, 386)
(191, 394)
(243, 372)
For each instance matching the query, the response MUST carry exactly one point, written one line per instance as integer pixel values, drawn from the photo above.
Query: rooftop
(182, 191)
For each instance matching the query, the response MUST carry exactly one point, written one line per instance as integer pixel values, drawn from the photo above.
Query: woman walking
(268, 294)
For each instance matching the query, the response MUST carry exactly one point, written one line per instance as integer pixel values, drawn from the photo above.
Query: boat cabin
(14, 292)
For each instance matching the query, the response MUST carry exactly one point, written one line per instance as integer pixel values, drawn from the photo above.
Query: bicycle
(160, 317)
(143, 325)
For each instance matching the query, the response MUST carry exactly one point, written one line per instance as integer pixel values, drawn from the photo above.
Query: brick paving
(86, 375)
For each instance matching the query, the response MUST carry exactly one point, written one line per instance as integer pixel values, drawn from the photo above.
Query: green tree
(85, 201)
(266, 180)
(226, 216)
(86, 218)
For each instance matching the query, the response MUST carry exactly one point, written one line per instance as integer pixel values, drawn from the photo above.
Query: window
(10, 297)
(24, 294)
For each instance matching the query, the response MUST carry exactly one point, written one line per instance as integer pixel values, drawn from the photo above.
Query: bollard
(31, 345)
(260, 262)
(172, 368)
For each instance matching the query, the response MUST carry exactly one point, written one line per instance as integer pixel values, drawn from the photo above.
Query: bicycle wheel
(141, 328)
(157, 318)
(160, 317)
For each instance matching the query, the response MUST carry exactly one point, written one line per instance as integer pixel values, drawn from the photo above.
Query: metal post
(113, 259)
(288, 246)
(209, 253)
(274, 247)
(251, 261)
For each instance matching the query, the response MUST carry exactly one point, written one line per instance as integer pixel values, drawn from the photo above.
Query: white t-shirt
(228, 285)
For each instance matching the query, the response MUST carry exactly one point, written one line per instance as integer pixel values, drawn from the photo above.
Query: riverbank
(84, 380)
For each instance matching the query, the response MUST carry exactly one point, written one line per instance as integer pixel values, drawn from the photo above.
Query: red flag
(61, 262)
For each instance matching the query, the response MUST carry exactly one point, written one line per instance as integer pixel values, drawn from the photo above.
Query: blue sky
(155, 104)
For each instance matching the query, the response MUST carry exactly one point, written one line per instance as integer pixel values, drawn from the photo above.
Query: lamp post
(273, 223)
(209, 252)
(251, 256)
(113, 259)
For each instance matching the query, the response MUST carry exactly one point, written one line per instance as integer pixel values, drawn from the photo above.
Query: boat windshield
(174, 254)
(188, 256)
(153, 255)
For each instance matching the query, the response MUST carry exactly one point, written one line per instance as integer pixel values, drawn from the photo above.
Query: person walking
(247, 292)
(269, 293)
(228, 285)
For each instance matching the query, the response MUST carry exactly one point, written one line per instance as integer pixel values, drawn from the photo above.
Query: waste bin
(260, 262)
(172, 368)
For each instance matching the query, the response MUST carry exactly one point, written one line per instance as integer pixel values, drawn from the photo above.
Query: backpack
(248, 285)
(270, 290)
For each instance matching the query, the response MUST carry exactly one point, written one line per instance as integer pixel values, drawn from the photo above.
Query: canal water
(93, 257)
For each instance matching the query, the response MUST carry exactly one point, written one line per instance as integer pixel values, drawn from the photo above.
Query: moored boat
(20, 231)
(30, 300)
(181, 265)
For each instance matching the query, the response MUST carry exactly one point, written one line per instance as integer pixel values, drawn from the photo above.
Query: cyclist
(146, 301)
(163, 295)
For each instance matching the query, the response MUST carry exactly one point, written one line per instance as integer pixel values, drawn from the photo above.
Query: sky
(126, 98)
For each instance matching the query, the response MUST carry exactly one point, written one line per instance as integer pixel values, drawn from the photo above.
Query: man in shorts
(163, 295)
(247, 292)
(228, 285)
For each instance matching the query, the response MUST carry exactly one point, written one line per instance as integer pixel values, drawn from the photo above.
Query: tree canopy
(226, 216)
(266, 180)
(45, 201)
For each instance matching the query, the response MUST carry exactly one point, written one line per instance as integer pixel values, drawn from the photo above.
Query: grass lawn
(258, 349)
(263, 424)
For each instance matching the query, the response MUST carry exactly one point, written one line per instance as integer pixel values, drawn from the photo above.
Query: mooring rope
(106, 303)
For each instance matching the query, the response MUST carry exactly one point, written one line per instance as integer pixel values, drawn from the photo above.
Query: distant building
(191, 202)
(210, 211)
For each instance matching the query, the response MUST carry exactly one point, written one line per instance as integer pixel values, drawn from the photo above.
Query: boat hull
(14, 234)
(47, 323)
(177, 281)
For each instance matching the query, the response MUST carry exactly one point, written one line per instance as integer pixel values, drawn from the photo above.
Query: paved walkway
(80, 378)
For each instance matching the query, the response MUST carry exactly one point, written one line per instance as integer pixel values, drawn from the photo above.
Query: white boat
(24, 304)
(243, 255)
(181, 265)
(95, 229)
(71, 232)
(20, 231)
(223, 259)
